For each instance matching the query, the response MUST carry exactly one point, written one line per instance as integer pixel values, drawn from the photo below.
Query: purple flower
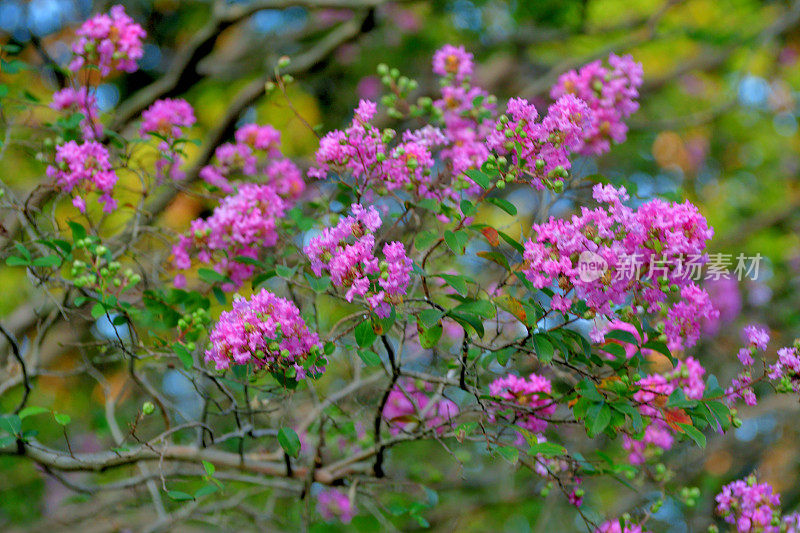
(749, 505)
(610, 92)
(453, 61)
(267, 332)
(108, 41)
(410, 404)
(333, 504)
(243, 224)
(84, 167)
(83, 101)
(347, 252)
(528, 400)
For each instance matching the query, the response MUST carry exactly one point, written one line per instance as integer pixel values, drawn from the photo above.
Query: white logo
(591, 266)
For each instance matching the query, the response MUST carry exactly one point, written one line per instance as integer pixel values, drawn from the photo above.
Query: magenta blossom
(85, 167)
(244, 224)
(333, 504)
(410, 404)
(108, 41)
(267, 332)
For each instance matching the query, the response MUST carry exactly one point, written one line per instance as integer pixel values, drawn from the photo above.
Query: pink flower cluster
(467, 118)
(362, 151)
(347, 252)
(108, 41)
(85, 167)
(453, 62)
(255, 152)
(166, 119)
(333, 504)
(614, 526)
(757, 338)
(465, 133)
(525, 402)
(410, 404)
(749, 506)
(539, 150)
(267, 332)
(244, 224)
(654, 390)
(658, 235)
(787, 369)
(610, 93)
(83, 101)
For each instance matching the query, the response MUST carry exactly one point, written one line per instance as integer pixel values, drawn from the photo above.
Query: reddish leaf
(513, 306)
(674, 417)
(491, 235)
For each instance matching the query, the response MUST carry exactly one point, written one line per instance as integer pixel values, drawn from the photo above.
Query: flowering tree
(327, 315)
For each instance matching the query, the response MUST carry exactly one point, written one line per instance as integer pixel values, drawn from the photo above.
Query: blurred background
(718, 125)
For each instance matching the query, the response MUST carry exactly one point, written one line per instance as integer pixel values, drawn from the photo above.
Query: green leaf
(454, 242)
(512, 242)
(243, 259)
(720, 411)
(678, 399)
(429, 204)
(494, 257)
(658, 346)
(205, 491)
(465, 429)
(11, 423)
(209, 468)
(615, 349)
(318, 284)
(219, 294)
(505, 205)
(22, 250)
(544, 348)
(459, 283)
(261, 278)
(467, 208)
(509, 453)
(623, 336)
(369, 357)
(482, 308)
(62, 419)
(430, 317)
(98, 310)
(179, 496)
(694, 434)
(17, 261)
(212, 276)
(78, 231)
(289, 441)
(284, 271)
(598, 417)
(547, 449)
(470, 320)
(365, 334)
(7, 441)
(430, 337)
(183, 354)
(478, 177)
(425, 239)
(712, 390)
(32, 410)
